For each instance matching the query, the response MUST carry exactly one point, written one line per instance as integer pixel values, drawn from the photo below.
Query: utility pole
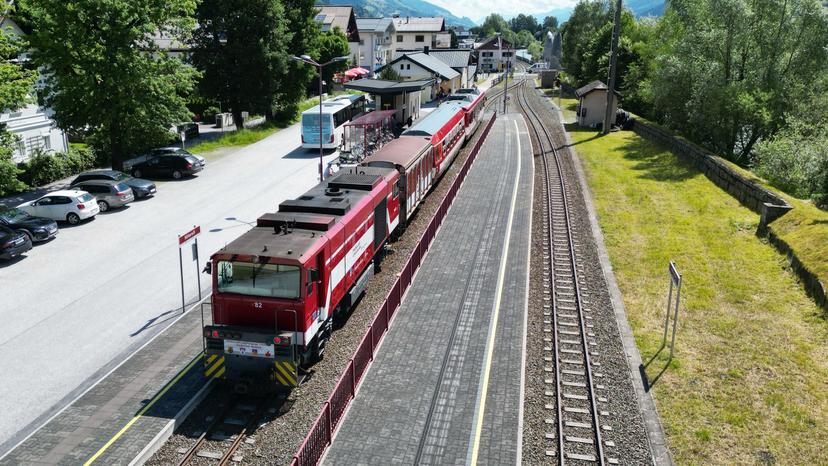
(505, 81)
(616, 31)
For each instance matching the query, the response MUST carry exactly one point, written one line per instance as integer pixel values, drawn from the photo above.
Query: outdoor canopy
(356, 72)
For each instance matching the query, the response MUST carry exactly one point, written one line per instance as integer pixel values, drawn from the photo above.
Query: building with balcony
(494, 54)
(376, 44)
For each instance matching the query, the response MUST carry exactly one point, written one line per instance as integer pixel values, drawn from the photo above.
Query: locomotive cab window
(268, 280)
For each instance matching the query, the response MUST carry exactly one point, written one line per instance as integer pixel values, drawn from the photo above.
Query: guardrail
(321, 433)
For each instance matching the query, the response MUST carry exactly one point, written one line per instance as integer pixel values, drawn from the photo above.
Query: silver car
(109, 194)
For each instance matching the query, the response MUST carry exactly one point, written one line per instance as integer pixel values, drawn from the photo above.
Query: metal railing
(321, 432)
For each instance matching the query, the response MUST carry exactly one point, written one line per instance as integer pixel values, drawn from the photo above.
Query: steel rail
(535, 121)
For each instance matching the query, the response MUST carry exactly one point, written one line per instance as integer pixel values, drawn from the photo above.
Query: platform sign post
(183, 239)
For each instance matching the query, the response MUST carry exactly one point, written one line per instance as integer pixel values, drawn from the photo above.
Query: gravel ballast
(289, 419)
(626, 439)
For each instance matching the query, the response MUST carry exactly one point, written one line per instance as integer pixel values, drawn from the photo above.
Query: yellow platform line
(143, 410)
(481, 409)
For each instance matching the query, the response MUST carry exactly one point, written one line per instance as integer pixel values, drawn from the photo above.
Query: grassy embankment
(251, 135)
(749, 381)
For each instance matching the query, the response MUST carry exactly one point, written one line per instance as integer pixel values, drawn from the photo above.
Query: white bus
(335, 113)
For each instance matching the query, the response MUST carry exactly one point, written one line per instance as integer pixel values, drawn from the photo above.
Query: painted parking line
(143, 410)
(481, 404)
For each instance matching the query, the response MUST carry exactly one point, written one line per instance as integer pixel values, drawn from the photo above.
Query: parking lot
(77, 305)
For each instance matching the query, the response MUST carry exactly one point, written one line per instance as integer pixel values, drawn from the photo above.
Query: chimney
(425, 50)
(406, 20)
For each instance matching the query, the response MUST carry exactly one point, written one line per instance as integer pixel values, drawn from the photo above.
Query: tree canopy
(106, 76)
(241, 46)
(331, 44)
(15, 87)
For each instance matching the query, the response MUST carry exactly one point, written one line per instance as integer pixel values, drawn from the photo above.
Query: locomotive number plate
(248, 348)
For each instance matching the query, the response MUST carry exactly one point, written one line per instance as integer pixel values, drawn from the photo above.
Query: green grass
(235, 139)
(749, 381)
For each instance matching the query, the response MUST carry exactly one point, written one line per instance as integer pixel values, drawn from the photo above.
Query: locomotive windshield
(268, 280)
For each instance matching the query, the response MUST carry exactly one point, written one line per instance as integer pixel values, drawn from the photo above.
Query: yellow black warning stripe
(286, 374)
(214, 366)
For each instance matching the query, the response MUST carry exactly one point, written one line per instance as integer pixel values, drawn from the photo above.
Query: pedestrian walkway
(117, 419)
(446, 385)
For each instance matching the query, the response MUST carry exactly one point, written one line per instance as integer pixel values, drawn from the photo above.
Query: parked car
(108, 193)
(175, 166)
(172, 150)
(140, 187)
(70, 205)
(36, 228)
(12, 243)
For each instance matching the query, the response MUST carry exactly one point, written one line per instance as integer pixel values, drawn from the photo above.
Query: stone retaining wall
(752, 195)
(755, 197)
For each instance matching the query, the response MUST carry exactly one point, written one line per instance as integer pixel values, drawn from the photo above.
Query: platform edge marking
(481, 407)
(143, 410)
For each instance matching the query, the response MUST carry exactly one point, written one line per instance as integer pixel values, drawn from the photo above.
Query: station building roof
(384, 87)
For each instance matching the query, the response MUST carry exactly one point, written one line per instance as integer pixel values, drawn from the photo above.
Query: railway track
(237, 419)
(573, 425)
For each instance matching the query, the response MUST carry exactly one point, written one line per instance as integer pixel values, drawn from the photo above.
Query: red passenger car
(278, 287)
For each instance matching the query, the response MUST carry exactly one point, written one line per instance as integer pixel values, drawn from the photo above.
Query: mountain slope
(365, 8)
(639, 7)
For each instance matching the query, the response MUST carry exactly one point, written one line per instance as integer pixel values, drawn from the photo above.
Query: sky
(478, 9)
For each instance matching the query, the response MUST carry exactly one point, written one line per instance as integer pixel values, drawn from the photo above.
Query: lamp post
(310, 61)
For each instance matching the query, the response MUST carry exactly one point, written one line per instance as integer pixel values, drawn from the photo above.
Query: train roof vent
(357, 181)
(319, 205)
(282, 222)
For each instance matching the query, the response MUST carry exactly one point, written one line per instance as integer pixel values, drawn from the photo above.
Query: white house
(494, 54)
(420, 66)
(375, 42)
(33, 125)
(459, 60)
(418, 32)
(592, 103)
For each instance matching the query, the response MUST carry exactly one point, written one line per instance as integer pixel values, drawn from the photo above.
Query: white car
(71, 205)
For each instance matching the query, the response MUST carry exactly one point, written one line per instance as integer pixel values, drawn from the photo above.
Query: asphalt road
(81, 303)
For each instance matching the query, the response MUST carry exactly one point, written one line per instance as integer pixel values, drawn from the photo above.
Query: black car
(175, 166)
(140, 187)
(12, 243)
(37, 229)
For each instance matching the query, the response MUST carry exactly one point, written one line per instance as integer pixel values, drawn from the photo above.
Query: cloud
(477, 9)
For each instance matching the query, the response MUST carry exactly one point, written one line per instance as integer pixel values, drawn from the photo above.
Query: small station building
(592, 103)
(405, 97)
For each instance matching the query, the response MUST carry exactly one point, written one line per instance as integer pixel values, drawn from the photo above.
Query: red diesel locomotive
(278, 287)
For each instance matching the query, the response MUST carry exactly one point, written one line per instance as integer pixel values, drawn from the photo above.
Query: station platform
(446, 386)
(117, 420)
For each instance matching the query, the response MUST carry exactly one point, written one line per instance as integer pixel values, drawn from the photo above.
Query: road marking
(481, 407)
(144, 410)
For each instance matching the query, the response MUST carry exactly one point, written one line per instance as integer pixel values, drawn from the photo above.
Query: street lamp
(310, 61)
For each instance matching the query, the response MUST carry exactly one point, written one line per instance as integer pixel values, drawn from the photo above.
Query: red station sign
(189, 235)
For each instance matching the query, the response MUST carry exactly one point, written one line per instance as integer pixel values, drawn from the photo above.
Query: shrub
(209, 114)
(44, 168)
(796, 161)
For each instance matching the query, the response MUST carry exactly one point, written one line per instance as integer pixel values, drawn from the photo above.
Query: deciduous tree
(105, 76)
(730, 70)
(331, 44)
(15, 87)
(242, 48)
(302, 31)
